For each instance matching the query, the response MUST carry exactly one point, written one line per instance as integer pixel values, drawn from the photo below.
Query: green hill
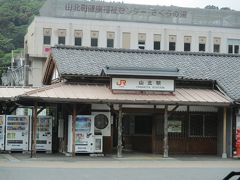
(15, 16)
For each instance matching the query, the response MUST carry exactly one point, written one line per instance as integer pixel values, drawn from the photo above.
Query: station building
(160, 102)
(168, 76)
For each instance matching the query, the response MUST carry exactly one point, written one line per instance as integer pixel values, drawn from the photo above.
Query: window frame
(76, 39)
(49, 40)
(172, 44)
(202, 46)
(216, 46)
(204, 125)
(94, 42)
(110, 42)
(187, 47)
(60, 38)
(158, 48)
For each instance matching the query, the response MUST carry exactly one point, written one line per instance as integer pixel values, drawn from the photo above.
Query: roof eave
(125, 101)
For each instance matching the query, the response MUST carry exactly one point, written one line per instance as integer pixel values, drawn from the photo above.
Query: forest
(15, 16)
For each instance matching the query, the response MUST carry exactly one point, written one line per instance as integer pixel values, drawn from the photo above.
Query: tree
(15, 16)
(5, 43)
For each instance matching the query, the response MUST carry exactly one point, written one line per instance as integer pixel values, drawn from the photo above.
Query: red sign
(121, 83)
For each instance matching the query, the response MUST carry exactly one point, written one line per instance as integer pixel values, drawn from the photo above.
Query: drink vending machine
(2, 132)
(84, 139)
(44, 133)
(17, 128)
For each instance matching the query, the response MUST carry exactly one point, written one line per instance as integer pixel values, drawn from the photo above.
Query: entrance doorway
(137, 132)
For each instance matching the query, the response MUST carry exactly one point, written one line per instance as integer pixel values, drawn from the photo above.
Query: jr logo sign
(121, 83)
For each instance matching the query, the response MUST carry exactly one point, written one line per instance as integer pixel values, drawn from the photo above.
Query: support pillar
(119, 146)
(165, 139)
(34, 130)
(74, 115)
(224, 153)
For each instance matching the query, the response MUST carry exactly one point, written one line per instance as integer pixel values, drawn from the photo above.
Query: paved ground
(131, 167)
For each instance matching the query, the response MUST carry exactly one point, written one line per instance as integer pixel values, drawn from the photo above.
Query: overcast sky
(233, 4)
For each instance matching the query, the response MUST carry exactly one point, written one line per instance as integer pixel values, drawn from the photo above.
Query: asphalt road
(39, 173)
(57, 167)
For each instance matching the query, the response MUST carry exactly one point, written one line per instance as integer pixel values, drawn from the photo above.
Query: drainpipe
(26, 67)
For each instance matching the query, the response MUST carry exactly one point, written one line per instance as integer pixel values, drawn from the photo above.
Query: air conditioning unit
(102, 119)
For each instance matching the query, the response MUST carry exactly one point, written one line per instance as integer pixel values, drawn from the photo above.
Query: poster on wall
(175, 126)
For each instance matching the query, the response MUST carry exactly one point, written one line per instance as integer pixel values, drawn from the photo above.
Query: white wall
(35, 33)
(34, 36)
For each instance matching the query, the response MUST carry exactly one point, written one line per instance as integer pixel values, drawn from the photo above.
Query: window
(201, 47)
(47, 40)
(78, 41)
(233, 49)
(230, 49)
(210, 125)
(187, 46)
(110, 39)
(143, 125)
(78, 38)
(126, 39)
(157, 42)
(203, 125)
(233, 46)
(141, 40)
(156, 45)
(196, 125)
(172, 46)
(110, 43)
(61, 36)
(216, 48)
(202, 43)
(94, 42)
(172, 43)
(47, 32)
(236, 49)
(141, 44)
(187, 43)
(94, 38)
(216, 44)
(61, 40)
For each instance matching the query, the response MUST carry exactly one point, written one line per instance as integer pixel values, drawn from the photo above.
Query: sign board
(165, 85)
(174, 126)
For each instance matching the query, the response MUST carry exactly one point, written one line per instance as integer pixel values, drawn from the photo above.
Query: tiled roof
(223, 68)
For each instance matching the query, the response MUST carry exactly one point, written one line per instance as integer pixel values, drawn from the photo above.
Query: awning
(63, 92)
(9, 93)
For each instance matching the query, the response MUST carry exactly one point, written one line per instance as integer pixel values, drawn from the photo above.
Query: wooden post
(224, 154)
(34, 131)
(73, 129)
(165, 139)
(154, 125)
(119, 147)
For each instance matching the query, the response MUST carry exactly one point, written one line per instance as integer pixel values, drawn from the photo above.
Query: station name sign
(165, 85)
(126, 10)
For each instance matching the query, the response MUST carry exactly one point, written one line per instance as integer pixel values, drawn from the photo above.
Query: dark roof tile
(223, 68)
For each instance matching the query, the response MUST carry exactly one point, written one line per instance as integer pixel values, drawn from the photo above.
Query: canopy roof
(66, 92)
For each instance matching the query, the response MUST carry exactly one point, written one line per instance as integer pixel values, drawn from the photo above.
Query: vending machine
(17, 128)
(2, 132)
(84, 138)
(44, 134)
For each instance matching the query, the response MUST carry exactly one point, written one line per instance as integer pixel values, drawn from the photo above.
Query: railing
(13, 77)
